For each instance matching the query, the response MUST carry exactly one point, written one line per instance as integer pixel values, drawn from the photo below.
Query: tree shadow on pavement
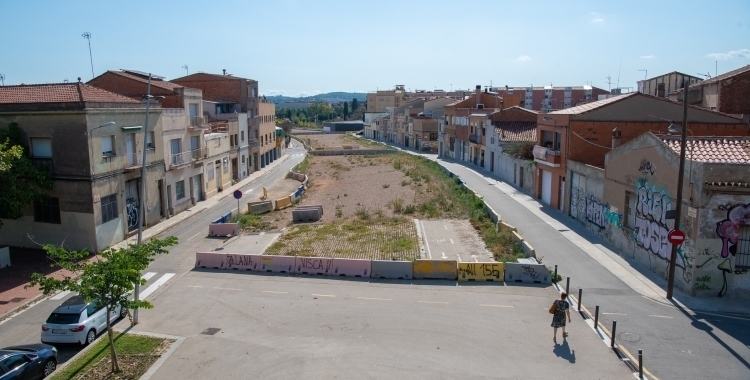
(563, 351)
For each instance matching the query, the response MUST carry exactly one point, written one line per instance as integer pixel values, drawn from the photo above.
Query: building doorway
(546, 186)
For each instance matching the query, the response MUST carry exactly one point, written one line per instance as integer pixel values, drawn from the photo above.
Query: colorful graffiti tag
(729, 229)
(651, 224)
(601, 215)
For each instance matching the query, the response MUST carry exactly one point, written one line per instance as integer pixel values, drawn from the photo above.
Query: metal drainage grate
(210, 331)
(629, 337)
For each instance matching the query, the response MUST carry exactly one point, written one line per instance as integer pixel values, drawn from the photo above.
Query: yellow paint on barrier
(435, 269)
(282, 203)
(489, 271)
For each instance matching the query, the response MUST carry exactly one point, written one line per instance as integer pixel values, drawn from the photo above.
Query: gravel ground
(331, 140)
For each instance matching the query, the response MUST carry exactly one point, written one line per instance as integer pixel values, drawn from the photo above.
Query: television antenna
(87, 36)
(609, 83)
(2, 78)
(186, 69)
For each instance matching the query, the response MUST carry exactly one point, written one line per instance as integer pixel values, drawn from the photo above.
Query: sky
(306, 47)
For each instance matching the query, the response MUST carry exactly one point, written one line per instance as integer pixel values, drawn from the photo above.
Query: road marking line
(191, 238)
(440, 302)
(446, 227)
(459, 258)
(61, 295)
(443, 253)
(195, 286)
(660, 316)
(148, 275)
(452, 241)
(375, 299)
(323, 295)
(613, 314)
(487, 305)
(161, 281)
(216, 287)
(657, 302)
(475, 259)
(248, 192)
(426, 242)
(271, 291)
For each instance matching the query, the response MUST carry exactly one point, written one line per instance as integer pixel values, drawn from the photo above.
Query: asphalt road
(192, 234)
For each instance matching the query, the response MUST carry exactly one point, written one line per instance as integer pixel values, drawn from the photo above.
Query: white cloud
(523, 58)
(729, 55)
(648, 56)
(596, 18)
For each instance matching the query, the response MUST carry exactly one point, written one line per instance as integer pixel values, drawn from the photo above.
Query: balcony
(476, 139)
(198, 123)
(44, 163)
(133, 160)
(187, 157)
(546, 156)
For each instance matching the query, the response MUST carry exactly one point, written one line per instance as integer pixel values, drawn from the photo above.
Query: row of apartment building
(201, 133)
(612, 165)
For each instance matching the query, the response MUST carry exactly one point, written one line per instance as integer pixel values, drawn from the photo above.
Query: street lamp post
(680, 180)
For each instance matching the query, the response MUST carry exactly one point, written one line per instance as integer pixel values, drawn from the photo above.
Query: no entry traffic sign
(676, 237)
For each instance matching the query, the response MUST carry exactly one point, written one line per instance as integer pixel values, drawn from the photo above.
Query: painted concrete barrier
(435, 269)
(260, 207)
(313, 265)
(277, 264)
(516, 236)
(397, 270)
(508, 226)
(283, 203)
(241, 261)
(492, 213)
(307, 213)
(530, 273)
(210, 260)
(528, 249)
(223, 229)
(486, 271)
(351, 267)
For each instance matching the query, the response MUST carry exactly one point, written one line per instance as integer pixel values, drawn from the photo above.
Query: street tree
(355, 104)
(346, 110)
(107, 279)
(289, 113)
(25, 180)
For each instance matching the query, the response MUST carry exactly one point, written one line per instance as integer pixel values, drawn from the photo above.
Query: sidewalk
(13, 295)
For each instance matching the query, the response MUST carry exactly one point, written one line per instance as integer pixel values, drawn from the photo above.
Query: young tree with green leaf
(346, 110)
(355, 104)
(25, 179)
(108, 279)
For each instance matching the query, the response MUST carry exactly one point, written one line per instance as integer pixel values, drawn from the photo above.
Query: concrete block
(487, 271)
(400, 270)
(528, 249)
(530, 273)
(516, 236)
(508, 226)
(223, 229)
(241, 261)
(307, 213)
(277, 264)
(351, 267)
(313, 265)
(210, 260)
(435, 269)
(260, 207)
(283, 203)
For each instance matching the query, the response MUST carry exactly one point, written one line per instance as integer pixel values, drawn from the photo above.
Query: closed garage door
(546, 186)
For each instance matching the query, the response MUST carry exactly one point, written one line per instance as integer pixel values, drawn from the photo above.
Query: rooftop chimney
(478, 94)
(224, 71)
(616, 135)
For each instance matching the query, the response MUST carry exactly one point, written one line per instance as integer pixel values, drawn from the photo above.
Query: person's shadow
(564, 351)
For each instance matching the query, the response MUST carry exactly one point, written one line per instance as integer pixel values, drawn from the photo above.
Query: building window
(742, 253)
(630, 199)
(109, 208)
(108, 146)
(150, 140)
(47, 211)
(225, 164)
(41, 147)
(179, 190)
(242, 136)
(243, 158)
(210, 172)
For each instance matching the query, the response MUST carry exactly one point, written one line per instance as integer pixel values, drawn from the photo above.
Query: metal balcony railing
(476, 139)
(185, 158)
(133, 160)
(43, 163)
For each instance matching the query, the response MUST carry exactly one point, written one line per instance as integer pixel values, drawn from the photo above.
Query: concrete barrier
(210, 260)
(313, 265)
(240, 261)
(530, 273)
(277, 264)
(223, 229)
(283, 203)
(435, 269)
(492, 213)
(399, 270)
(508, 226)
(307, 213)
(351, 268)
(488, 271)
(260, 207)
(528, 249)
(516, 236)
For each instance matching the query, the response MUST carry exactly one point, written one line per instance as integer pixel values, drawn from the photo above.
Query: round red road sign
(676, 237)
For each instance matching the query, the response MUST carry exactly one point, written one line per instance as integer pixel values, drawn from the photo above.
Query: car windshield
(63, 319)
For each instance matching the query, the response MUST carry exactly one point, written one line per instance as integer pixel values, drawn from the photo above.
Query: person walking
(561, 309)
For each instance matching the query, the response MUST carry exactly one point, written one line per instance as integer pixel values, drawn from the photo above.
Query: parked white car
(76, 321)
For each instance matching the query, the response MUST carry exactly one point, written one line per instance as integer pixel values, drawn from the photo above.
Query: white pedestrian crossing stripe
(148, 275)
(161, 281)
(60, 295)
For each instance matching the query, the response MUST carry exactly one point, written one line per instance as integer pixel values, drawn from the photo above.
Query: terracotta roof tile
(170, 86)
(59, 93)
(714, 150)
(515, 131)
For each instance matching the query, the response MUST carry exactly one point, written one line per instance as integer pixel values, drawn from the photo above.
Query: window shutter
(107, 145)
(41, 147)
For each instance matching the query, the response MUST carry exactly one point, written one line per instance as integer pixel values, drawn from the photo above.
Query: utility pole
(645, 76)
(87, 36)
(143, 191)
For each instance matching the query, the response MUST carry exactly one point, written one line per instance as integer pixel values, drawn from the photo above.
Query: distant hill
(331, 97)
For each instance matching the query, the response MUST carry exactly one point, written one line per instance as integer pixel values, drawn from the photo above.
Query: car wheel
(49, 367)
(123, 313)
(90, 337)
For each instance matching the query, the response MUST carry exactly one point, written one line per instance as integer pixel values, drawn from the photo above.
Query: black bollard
(555, 273)
(614, 332)
(596, 319)
(640, 364)
(580, 296)
(567, 285)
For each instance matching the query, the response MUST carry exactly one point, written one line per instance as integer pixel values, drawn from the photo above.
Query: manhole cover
(629, 337)
(210, 331)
